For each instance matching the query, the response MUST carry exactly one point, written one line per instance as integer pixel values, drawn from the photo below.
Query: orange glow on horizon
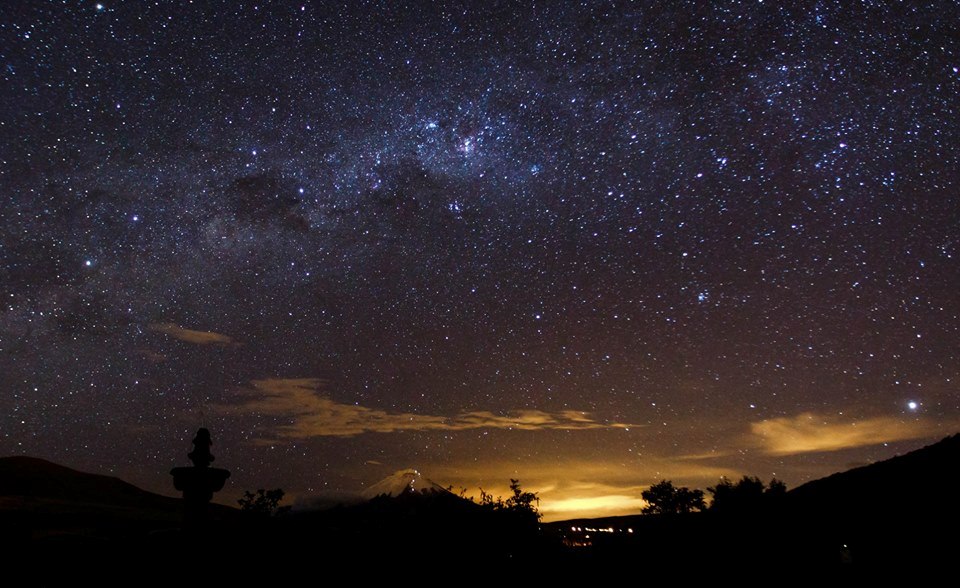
(591, 506)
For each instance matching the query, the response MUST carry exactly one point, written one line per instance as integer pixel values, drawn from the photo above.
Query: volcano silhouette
(402, 482)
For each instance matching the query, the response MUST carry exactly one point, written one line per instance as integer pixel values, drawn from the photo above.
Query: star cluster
(664, 239)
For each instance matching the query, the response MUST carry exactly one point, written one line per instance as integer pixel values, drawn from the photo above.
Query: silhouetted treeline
(748, 493)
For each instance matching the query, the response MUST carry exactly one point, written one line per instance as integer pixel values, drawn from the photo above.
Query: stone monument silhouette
(198, 483)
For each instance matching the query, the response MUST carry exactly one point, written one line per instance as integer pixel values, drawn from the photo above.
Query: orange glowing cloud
(190, 335)
(591, 506)
(576, 488)
(314, 415)
(809, 432)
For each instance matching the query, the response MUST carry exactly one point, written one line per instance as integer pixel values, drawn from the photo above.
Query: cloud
(592, 506)
(315, 415)
(575, 488)
(191, 336)
(706, 455)
(809, 432)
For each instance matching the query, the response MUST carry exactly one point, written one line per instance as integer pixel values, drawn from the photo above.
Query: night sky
(586, 245)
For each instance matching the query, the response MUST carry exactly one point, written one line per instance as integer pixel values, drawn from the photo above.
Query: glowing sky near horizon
(587, 245)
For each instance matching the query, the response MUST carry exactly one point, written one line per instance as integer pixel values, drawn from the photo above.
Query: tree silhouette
(264, 502)
(520, 502)
(748, 493)
(664, 498)
(523, 501)
(776, 488)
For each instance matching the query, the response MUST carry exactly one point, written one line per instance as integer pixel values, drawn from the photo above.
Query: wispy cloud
(190, 335)
(312, 414)
(809, 432)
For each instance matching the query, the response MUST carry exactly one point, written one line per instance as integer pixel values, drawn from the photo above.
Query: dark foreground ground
(419, 541)
(59, 527)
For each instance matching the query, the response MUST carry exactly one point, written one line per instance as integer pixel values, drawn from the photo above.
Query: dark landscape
(897, 510)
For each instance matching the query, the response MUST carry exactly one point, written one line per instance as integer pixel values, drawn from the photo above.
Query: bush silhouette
(264, 502)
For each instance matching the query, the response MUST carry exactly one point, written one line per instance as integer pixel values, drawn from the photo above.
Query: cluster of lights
(603, 530)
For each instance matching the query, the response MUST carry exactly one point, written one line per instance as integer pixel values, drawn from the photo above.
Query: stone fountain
(198, 483)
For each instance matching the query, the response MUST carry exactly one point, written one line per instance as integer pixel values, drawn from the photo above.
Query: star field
(588, 245)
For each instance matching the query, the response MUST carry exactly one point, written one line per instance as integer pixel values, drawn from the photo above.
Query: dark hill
(410, 526)
(42, 502)
(910, 483)
(900, 509)
(40, 479)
